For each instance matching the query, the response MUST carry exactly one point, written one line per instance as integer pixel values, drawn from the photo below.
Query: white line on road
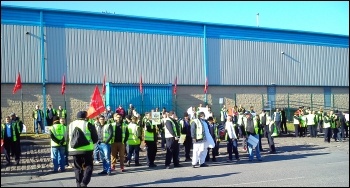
(259, 182)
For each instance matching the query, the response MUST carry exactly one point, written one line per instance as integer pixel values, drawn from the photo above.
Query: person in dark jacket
(19, 123)
(82, 156)
(10, 132)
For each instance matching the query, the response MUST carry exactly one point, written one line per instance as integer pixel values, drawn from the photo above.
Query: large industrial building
(248, 66)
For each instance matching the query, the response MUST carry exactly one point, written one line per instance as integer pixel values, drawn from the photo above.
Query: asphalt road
(299, 162)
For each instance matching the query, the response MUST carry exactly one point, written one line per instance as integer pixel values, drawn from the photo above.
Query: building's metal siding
(98, 21)
(262, 63)
(153, 96)
(86, 55)
(271, 35)
(20, 52)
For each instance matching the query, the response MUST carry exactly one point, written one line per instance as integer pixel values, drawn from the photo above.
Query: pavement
(294, 156)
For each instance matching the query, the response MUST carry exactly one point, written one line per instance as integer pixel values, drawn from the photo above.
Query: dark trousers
(335, 133)
(296, 130)
(172, 151)
(327, 134)
(162, 135)
(13, 147)
(83, 167)
(346, 128)
(151, 151)
(131, 150)
(302, 131)
(270, 140)
(232, 148)
(284, 127)
(312, 130)
(188, 145)
(320, 126)
(213, 152)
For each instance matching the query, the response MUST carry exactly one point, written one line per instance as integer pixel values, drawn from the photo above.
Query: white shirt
(230, 130)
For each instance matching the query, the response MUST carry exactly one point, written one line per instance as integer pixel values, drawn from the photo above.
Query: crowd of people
(118, 136)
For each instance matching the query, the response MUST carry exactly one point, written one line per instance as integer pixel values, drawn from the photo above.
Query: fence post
(312, 108)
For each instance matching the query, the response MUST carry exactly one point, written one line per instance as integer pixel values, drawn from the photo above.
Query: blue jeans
(41, 123)
(58, 158)
(105, 154)
(96, 153)
(257, 149)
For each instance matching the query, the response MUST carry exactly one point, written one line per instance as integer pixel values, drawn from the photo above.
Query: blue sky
(315, 16)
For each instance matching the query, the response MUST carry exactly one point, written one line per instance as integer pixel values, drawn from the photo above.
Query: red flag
(63, 84)
(175, 86)
(206, 85)
(18, 84)
(96, 105)
(141, 89)
(104, 85)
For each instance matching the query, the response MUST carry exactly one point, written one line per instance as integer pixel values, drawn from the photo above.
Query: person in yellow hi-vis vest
(58, 145)
(201, 140)
(134, 141)
(82, 155)
(151, 136)
(119, 139)
(172, 136)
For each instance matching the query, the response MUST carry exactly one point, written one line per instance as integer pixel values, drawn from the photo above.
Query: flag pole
(22, 111)
(65, 107)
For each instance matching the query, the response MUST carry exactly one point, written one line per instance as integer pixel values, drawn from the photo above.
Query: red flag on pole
(104, 85)
(175, 86)
(18, 84)
(141, 89)
(63, 89)
(206, 85)
(96, 105)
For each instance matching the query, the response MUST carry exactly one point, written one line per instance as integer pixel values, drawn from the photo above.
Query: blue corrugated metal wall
(125, 94)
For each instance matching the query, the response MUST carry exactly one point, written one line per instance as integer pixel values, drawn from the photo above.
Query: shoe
(96, 162)
(250, 160)
(108, 173)
(193, 166)
(122, 170)
(167, 167)
(69, 167)
(238, 159)
(188, 159)
(203, 165)
(178, 166)
(272, 152)
(152, 165)
(214, 160)
(259, 159)
(229, 161)
(112, 167)
(128, 163)
(102, 173)
(138, 164)
(83, 185)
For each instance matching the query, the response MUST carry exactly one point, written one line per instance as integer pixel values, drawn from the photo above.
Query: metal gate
(153, 96)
